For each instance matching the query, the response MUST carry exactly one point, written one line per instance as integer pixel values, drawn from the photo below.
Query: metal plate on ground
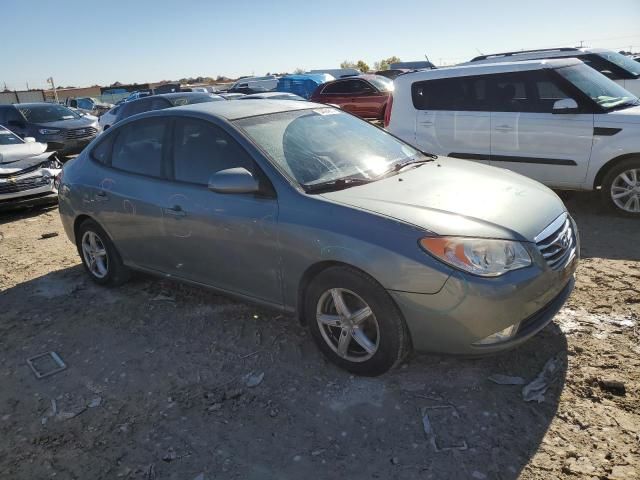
(46, 364)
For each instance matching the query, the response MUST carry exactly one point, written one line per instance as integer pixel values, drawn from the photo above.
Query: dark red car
(366, 96)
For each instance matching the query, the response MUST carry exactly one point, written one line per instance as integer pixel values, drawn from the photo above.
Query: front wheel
(354, 322)
(621, 187)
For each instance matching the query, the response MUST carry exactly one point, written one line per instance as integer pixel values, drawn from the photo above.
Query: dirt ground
(165, 381)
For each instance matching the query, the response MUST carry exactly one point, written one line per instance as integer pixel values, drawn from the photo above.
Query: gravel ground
(165, 381)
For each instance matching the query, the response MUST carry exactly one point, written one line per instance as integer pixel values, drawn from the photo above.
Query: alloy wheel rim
(95, 254)
(348, 325)
(625, 190)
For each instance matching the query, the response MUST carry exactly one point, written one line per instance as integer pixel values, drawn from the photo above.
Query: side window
(358, 86)
(527, 92)
(201, 149)
(14, 116)
(453, 94)
(138, 147)
(604, 66)
(337, 88)
(102, 152)
(159, 103)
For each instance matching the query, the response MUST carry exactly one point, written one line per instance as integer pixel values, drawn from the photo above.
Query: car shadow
(603, 232)
(23, 213)
(171, 365)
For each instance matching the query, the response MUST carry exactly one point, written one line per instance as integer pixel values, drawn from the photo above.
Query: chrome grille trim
(80, 133)
(557, 243)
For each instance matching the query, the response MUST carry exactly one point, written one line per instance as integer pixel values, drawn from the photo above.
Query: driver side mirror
(566, 105)
(234, 180)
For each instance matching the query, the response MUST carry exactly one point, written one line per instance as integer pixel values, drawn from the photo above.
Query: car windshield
(324, 145)
(605, 92)
(9, 138)
(622, 61)
(47, 113)
(382, 83)
(191, 99)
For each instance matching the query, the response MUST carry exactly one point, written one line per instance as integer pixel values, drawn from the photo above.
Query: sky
(86, 42)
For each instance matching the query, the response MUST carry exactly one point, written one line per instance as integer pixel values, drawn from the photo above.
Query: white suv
(620, 68)
(557, 121)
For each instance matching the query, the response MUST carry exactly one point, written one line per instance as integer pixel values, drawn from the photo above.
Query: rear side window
(456, 94)
(138, 147)
(102, 152)
(201, 149)
(337, 88)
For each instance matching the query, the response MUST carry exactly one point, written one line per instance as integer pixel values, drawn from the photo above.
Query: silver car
(377, 247)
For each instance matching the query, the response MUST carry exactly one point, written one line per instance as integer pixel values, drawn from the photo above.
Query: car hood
(19, 151)
(626, 115)
(457, 197)
(17, 166)
(67, 124)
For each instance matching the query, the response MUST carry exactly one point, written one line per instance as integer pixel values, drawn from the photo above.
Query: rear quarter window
(454, 94)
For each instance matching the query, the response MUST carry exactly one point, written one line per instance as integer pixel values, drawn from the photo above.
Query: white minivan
(622, 69)
(557, 121)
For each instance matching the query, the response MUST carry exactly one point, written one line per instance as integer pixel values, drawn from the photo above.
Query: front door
(228, 241)
(526, 137)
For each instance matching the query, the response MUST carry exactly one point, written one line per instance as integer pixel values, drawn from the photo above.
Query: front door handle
(504, 128)
(175, 211)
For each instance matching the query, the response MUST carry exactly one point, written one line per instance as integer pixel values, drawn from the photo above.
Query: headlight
(479, 256)
(48, 131)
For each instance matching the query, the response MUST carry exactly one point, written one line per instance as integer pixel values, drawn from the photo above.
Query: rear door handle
(175, 211)
(102, 196)
(504, 128)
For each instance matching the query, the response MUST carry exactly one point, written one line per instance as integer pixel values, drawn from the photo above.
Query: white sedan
(27, 171)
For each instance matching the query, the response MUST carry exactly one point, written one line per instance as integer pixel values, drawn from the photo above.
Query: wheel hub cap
(95, 254)
(625, 190)
(348, 325)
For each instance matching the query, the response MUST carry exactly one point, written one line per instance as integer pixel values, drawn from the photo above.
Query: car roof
(535, 54)
(247, 108)
(481, 68)
(35, 104)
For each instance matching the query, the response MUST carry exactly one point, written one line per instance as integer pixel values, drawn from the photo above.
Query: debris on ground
(49, 235)
(549, 374)
(613, 386)
(95, 402)
(253, 380)
(506, 379)
(170, 455)
(163, 298)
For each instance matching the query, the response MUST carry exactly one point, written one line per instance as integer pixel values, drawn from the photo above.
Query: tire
(383, 331)
(106, 269)
(616, 181)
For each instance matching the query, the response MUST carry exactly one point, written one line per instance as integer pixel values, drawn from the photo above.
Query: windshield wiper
(400, 165)
(337, 184)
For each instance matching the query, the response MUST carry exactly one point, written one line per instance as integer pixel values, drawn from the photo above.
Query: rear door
(228, 241)
(452, 117)
(129, 198)
(528, 138)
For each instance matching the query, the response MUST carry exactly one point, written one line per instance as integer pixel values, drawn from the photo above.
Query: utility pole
(53, 86)
(27, 82)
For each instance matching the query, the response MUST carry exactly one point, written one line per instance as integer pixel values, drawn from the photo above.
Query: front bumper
(68, 146)
(469, 309)
(34, 188)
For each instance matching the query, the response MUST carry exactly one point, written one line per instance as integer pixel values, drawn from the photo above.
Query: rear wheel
(354, 321)
(621, 187)
(99, 256)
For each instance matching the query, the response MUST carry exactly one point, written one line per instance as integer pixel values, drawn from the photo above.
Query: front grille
(80, 133)
(557, 243)
(23, 184)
